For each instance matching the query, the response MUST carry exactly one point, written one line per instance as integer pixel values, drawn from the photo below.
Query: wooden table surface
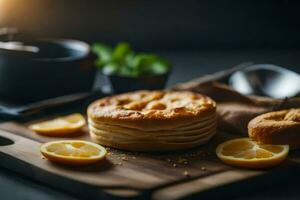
(187, 65)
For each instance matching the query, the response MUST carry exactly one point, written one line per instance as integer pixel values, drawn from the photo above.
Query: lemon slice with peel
(243, 152)
(60, 126)
(73, 152)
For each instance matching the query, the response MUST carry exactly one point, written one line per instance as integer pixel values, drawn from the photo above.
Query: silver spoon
(266, 80)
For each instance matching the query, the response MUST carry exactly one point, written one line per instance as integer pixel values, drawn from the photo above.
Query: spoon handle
(6, 115)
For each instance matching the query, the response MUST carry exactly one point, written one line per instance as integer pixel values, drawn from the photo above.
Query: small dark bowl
(61, 67)
(122, 84)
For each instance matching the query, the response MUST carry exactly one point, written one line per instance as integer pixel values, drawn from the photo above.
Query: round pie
(153, 120)
(279, 127)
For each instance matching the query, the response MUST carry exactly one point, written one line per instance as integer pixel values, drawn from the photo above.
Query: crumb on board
(203, 168)
(174, 165)
(181, 160)
(186, 173)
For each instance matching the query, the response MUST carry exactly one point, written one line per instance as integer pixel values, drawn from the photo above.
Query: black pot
(61, 67)
(122, 84)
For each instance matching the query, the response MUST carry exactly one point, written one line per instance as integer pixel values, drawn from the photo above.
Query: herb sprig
(122, 60)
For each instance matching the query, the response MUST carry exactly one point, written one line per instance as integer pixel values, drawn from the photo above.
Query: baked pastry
(152, 120)
(279, 127)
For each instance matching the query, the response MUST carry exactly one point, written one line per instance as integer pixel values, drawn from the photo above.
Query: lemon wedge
(60, 126)
(73, 152)
(244, 152)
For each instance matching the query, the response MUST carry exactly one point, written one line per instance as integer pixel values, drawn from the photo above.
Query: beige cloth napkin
(234, 109)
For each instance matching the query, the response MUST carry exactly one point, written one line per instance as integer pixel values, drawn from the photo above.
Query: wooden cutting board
(125, 174)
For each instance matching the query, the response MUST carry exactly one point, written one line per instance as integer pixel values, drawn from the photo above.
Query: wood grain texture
(123, 174)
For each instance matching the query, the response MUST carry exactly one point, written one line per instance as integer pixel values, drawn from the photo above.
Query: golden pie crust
(153, 120)
(152, 109)
(279, 127)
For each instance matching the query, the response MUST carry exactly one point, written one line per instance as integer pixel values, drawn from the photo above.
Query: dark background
(198, 37)
(163, 25)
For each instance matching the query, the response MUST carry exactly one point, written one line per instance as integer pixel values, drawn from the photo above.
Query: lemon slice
(60, 126)
(244, 152)
(73, 152)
